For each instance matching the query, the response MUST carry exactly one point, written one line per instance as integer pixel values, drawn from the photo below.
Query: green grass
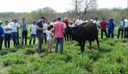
(110, 58)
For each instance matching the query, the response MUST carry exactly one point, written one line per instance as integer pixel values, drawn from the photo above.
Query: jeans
(104, 32)
(24, 37)
(15, 38)
(7, 38)
(122, 32)
(1, 42)
(33, 36)
(126, 32)
(110, 34)
(40, 42)
(59, 41)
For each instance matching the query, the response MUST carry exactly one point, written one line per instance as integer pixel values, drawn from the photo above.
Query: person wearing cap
(39, 34)
(1, 35)
(59, 28)
(14, 26)
(24, 31)
(7, 34)
(33, 32)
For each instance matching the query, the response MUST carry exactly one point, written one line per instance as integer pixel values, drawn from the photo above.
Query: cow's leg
(90, 44)
(83, 45)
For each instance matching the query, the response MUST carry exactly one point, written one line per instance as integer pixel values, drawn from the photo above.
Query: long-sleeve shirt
(111, 26)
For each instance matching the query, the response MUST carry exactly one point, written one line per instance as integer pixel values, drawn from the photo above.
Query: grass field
(110, 58)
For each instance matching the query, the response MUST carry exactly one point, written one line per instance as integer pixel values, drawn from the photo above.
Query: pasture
(110, 58)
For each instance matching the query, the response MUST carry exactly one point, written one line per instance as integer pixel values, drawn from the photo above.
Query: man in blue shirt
(111, 26)
(24, 31)
(1, 35)
(39, 34)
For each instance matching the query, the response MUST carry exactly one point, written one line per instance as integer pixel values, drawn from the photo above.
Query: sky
(58, 5)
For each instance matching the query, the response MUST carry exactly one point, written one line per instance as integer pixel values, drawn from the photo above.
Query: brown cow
(85, 31)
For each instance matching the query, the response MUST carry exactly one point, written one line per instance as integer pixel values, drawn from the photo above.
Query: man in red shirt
(67, 24)
(103, 28)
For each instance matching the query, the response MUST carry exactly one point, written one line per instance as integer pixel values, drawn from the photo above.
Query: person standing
(7, 35)
(39, 34)
(59, 28)
(33, 33)
(67, 24)
(45, 25)
(49, 38)
(14, 26)
(78, 21)
(126, 29)
(121, 25)
(103, 28)
(97, 22)
(111, 26)
(1, 35)
(24, 31)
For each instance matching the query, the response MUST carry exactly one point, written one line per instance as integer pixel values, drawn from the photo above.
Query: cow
(84, 32)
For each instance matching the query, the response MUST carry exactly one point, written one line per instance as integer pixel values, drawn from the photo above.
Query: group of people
(45, 32)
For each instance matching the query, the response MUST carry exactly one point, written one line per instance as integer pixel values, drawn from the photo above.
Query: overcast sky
(58, 5)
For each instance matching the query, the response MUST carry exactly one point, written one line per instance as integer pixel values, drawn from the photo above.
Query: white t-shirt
(78, 22)
(126, 23)
(7, 31)
(72, 25)
(45, 26)
(97, 23)
(33, 29)
(14, 26)
(49, 35)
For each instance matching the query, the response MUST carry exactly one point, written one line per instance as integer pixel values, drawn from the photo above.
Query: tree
(82, 6)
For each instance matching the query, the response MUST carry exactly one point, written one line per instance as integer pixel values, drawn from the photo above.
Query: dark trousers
(110, 34)
(1, 42)
(120, 31)
(45, 37)
(33, 36)
(126, 32)
(59, 41)
(40, 42)
(15, 38)
(24, 37)
(104, 31)
(7, 38)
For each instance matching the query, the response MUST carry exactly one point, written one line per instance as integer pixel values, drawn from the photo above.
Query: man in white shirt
(78, 21)
(14, 26)
(33, 33)
(121, 25)
(126, 28)
(45, 25)
(97, 22)
(7, 35)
